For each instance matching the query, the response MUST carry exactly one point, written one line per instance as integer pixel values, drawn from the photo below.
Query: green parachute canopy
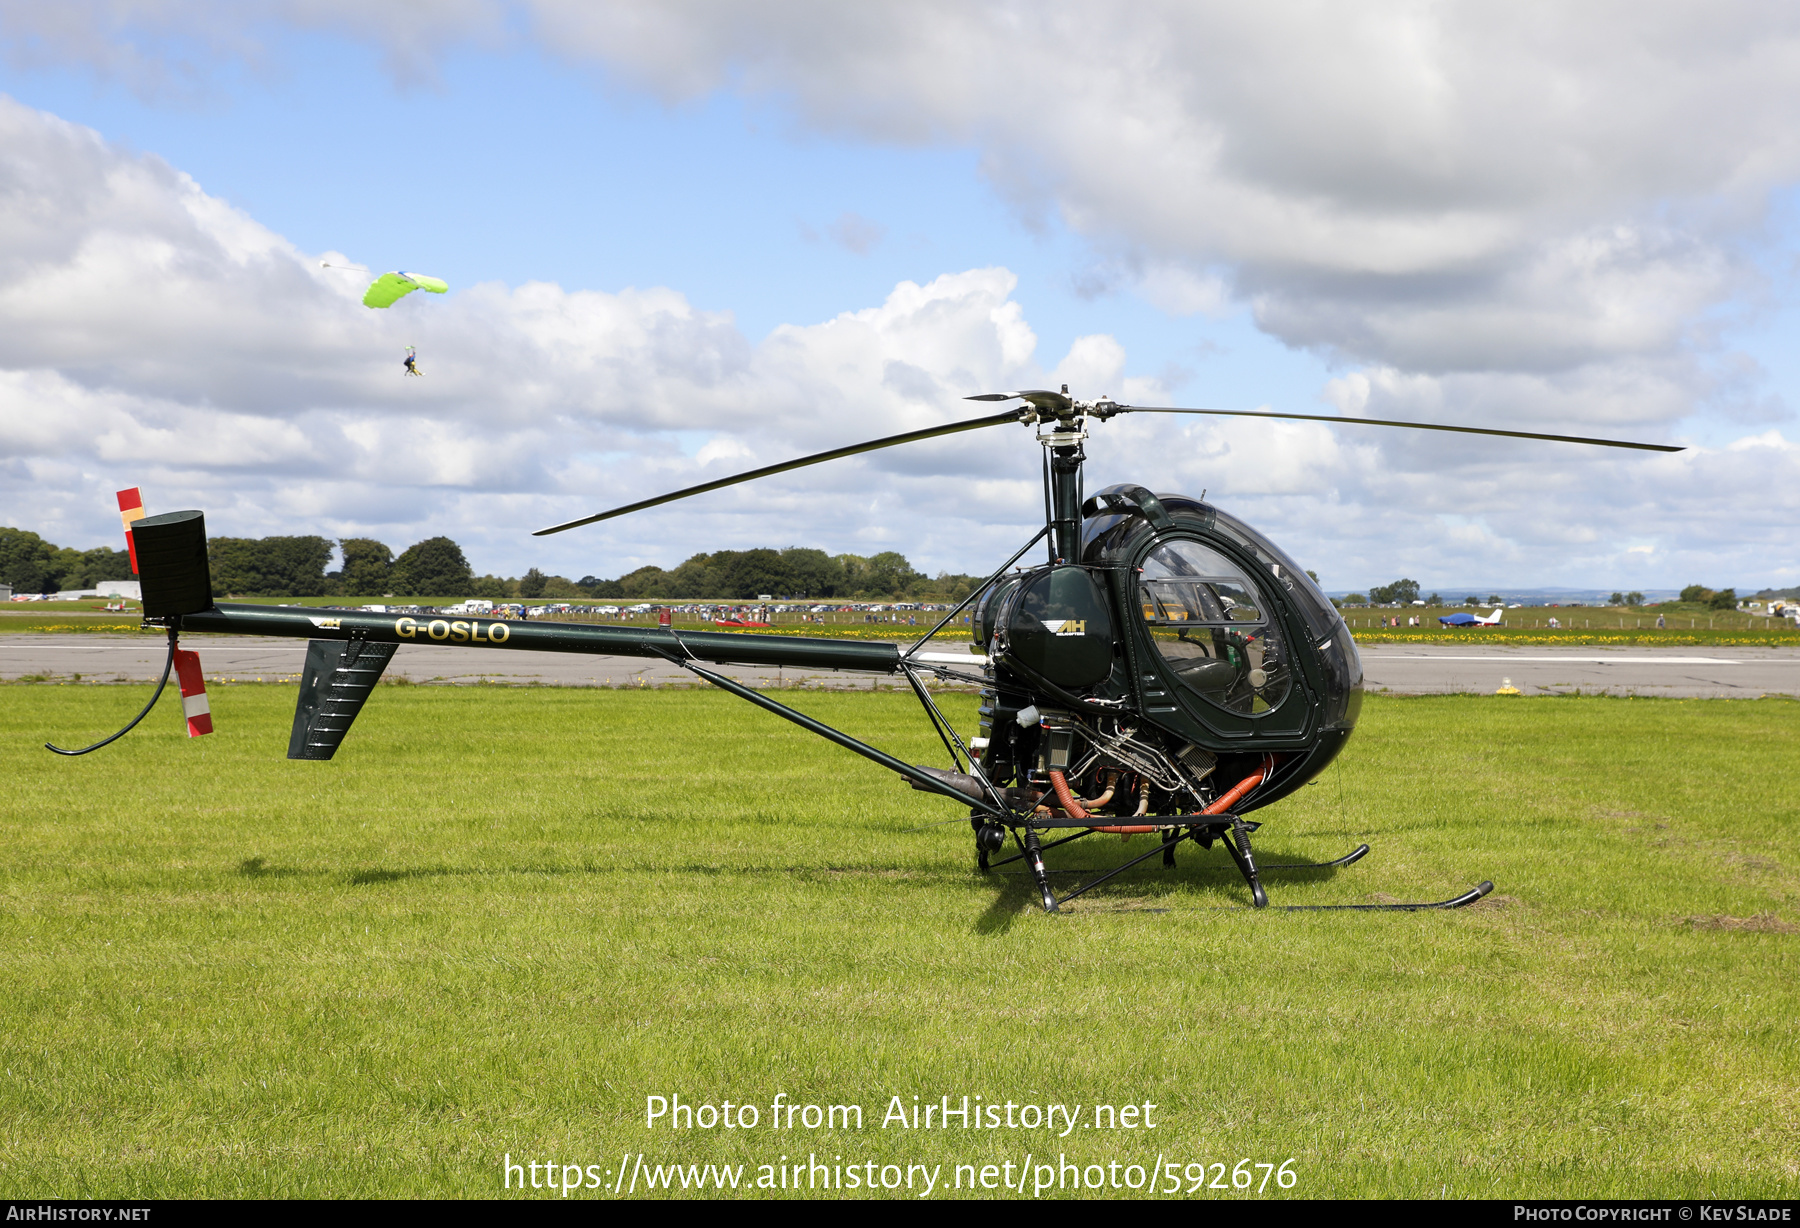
(390, 288)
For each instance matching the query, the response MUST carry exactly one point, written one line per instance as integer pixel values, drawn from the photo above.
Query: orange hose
(1112, 783)
(1223, 804)
(1064, 798)
(1237, 791)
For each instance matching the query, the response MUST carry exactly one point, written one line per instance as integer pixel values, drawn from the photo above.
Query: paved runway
(1685, 673)
(1740, 673)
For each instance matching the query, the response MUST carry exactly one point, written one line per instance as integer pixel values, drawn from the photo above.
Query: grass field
(502, 918)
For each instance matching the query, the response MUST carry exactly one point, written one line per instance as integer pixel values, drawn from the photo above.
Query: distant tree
(88, 568)
(794, 572)
(1471, 599)
(1634, 599)
(27, 562)
(693, 578)
(434, 567)
(887, 574)
(854, 569)
(745, 573)
(531, 584)
(1356, 599)
(1402, 591)
(1724, 599)
(368, 567)
(560, 588)
(487, 588)
(1434, 599)
(1313, 574)
(71, 568)
(1616, 599)
(811, 573)
(947, 587)
(235, 563)
(268, 566)
(1696, 594)
(1496, 599)
(644, 582)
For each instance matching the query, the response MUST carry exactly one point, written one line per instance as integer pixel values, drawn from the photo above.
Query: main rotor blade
(1417, 426)
(930, 432)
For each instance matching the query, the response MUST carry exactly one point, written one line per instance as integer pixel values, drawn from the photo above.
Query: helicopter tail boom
(719, 647)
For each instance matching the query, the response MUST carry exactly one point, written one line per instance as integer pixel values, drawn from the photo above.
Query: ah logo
(1066, 626)
(328, 624)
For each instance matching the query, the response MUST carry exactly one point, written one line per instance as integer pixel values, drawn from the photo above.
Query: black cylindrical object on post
(172, 567)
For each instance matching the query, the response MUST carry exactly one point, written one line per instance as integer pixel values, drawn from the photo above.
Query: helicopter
(1165, 670)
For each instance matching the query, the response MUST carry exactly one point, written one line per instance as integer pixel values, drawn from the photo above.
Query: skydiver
(412, 360)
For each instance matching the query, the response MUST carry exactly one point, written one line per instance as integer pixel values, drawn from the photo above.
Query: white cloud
(1506, 186)
(150, 335)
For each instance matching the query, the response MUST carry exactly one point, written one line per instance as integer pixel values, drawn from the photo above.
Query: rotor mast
(1062, 435)
(1062, 427)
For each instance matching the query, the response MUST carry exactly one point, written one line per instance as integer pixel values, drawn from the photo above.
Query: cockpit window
(1212, 628)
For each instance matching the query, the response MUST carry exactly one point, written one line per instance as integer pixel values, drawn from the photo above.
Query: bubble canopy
(1194, 578)
(1208, 622)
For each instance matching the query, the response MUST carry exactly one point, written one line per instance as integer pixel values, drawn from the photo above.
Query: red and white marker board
(131, 510)
(193, 693)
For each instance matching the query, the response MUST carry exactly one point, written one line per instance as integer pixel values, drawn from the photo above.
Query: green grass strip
(502, 918)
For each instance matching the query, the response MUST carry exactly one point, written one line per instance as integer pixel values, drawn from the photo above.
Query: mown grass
(502, 918)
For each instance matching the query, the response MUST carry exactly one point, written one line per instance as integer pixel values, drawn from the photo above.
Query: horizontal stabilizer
(339, 676)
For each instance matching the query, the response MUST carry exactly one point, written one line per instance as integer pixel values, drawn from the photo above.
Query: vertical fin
(339, 676)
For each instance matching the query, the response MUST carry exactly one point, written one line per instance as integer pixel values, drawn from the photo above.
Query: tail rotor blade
(1416, 426)
(931, 432)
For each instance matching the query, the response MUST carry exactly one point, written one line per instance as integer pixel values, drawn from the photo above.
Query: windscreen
(1210, 626)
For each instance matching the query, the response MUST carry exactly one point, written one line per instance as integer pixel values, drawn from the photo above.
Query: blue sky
(1218, 244)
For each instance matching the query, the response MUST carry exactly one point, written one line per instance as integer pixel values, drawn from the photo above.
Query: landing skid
(1466, 898)
(1231, 831)
(1348, 859)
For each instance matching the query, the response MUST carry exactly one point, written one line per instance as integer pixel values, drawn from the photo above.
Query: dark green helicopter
(1165, 671)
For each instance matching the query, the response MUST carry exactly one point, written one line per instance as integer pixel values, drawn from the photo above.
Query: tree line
(1699, 594)
(795, 572)
(437, 567)
(1405, 592)
(295, 567)
(29, 564)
